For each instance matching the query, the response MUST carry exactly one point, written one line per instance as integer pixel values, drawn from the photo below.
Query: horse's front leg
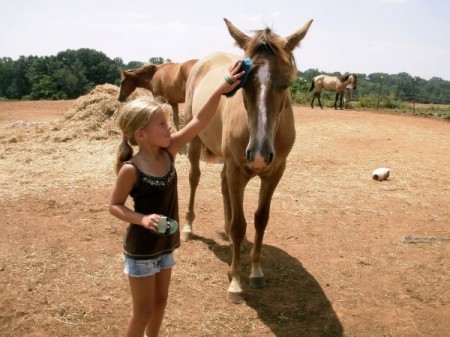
(268, 185)
(176, 116)
(238, 226)
(341, 99)
(335, 101)
(194, 178)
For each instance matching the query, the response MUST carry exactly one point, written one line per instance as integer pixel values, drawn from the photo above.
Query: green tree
(6, 75)
(20, 85)
(134, 65)
(44, 88)
(156, 60)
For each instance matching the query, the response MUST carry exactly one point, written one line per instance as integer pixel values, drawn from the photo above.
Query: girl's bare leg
(161, 294)
(142, 294)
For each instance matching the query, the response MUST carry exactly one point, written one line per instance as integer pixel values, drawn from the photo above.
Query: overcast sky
(362, 36)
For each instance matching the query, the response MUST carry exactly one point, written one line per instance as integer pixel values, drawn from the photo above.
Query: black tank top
(153, 195)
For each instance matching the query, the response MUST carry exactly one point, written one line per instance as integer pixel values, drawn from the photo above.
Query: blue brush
(245, 66)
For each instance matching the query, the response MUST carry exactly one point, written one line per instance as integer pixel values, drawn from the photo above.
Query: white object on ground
(381, 173)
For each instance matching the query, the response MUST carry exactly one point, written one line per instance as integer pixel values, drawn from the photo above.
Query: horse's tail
(312, 85)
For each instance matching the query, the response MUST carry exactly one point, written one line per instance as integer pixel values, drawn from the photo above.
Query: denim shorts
(142, 268)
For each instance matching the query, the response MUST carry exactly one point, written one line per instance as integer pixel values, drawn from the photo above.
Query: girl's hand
(150, 222)
(231, 77)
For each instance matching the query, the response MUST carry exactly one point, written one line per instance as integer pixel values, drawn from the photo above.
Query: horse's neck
(143, 78)
(347, 81)
(341, 85)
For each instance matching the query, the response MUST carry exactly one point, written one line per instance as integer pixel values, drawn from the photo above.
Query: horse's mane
(343, 78)
(147, 69)
(267, 41)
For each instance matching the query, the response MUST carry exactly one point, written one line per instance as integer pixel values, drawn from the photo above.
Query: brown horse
(167, 80)
(253, 131)
(332, 83)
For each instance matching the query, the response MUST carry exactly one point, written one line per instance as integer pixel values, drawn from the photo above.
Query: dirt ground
(344, 255)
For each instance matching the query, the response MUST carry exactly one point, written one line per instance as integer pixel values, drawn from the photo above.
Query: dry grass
(93, 115)
(90, 118)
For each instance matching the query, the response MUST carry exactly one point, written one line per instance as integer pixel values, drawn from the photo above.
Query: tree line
(394, 87)
(68, 75)
(73, 73)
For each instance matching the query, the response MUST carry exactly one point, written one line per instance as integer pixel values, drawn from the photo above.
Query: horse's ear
(293, 40)
(238, 36)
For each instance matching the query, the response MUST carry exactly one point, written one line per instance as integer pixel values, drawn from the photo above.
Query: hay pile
(92, 116)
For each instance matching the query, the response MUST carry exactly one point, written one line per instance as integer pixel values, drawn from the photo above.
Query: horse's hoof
(186, 236)
(235, 298)
(257, 282)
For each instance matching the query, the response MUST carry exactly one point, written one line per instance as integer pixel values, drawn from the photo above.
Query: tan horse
(332, 83)
(253, 131)
(167, 80)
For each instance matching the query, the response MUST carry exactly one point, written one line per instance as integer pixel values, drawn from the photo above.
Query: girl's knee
(161, 300)
(143, 313)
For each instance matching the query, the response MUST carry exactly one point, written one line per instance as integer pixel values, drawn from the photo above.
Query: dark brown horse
(167, 80)
(337, 84)
(253, 131)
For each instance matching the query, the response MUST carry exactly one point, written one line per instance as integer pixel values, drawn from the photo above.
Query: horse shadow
(293, 303)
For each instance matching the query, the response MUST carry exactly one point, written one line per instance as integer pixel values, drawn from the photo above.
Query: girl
(149, 177)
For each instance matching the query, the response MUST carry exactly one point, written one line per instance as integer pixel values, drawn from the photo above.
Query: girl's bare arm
(126, 179)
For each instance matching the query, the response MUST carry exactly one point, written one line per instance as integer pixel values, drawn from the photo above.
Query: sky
(347, 36)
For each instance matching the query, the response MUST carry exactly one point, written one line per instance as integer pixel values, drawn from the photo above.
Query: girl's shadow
(293, 303)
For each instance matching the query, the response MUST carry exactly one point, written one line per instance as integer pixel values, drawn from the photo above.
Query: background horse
(332, 83)
(167, 80)
(253, 131)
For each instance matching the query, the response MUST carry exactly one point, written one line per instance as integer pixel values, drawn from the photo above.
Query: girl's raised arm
(205, 114)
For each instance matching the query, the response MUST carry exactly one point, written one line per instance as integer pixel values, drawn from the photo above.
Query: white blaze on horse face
(263, 76)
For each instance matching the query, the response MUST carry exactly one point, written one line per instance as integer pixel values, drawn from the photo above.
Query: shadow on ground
(293, 303)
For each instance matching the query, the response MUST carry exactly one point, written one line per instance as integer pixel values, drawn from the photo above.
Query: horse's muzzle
(259, 159)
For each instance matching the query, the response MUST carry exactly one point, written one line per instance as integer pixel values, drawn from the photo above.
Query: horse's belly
(211, 137)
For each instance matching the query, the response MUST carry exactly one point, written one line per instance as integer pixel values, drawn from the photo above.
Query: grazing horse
(252, 131)
(167, 80)
(332, 83)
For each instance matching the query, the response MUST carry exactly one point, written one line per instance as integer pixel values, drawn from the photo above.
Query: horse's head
(127, 85)
(136, 78)
(266, 94)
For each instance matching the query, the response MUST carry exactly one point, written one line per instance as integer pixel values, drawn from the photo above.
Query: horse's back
(204, 77)
(328, 82)
(169, 81)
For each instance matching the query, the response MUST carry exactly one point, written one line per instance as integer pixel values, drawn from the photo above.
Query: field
(344, 255)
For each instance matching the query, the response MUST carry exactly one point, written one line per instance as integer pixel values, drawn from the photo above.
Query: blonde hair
(133, 116)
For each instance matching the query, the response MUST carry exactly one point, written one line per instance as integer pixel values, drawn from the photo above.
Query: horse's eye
(283, 85)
